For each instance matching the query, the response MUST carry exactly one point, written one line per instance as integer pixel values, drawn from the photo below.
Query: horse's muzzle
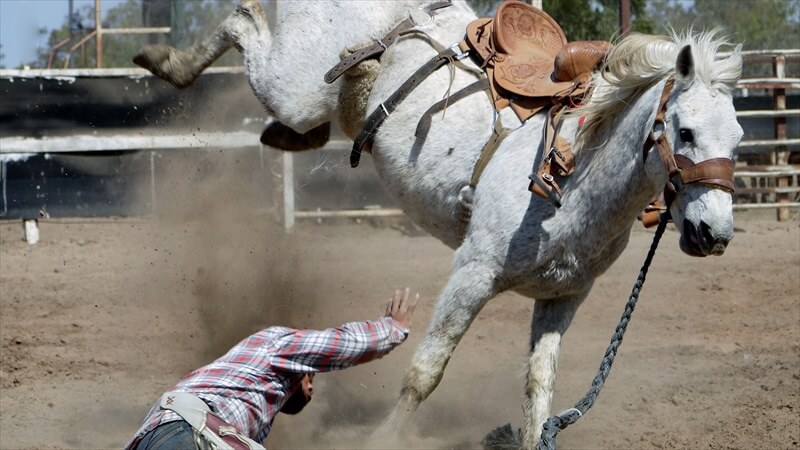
(702, 241)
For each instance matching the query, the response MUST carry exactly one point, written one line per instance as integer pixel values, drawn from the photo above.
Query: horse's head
(701, 127)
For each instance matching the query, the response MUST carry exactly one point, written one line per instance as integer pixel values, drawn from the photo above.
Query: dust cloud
(232, 266)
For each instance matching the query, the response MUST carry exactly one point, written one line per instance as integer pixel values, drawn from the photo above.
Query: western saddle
(529, 67)
(527, 59)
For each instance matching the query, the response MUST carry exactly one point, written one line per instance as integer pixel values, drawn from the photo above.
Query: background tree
(584, 19)
(756, 24)
(596, 19)
(2, 57)
(192, 20)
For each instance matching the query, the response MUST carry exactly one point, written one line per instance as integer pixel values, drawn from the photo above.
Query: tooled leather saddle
(527, 59)
(530, 66)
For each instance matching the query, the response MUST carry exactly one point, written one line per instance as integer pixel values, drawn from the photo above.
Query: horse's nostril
(708, 238)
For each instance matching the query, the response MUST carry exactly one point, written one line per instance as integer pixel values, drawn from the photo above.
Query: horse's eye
(686, 135)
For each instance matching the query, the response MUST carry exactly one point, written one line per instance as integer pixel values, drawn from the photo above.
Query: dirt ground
(103, 315)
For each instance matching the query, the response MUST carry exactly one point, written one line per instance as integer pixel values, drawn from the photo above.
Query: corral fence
(768, 168)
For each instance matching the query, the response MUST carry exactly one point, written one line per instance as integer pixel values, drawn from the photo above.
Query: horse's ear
(685, 63)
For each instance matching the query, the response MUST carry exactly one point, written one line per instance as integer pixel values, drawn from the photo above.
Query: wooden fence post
(781, 156)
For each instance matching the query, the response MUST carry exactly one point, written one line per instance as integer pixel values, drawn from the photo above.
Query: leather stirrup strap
(380, 46)
(375, 120)
(500, 132)
(424, 124)
(557, 159)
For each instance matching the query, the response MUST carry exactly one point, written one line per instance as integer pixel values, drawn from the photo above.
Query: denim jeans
(177, 435)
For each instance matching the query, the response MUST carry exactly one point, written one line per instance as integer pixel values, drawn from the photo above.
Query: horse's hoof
(255, 12)
(278, 135)
(165, 62)
(503, 438)
(253, 8)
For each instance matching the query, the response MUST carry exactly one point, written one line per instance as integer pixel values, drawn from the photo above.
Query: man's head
(300, 397)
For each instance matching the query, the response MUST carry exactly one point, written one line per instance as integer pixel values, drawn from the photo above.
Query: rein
(560, 421)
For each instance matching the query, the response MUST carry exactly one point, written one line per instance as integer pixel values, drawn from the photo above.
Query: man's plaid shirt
(248, 385)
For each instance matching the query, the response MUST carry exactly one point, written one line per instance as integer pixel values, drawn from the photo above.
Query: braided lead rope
(558, 422)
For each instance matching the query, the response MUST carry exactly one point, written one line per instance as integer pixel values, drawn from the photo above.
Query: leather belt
(380, 46)
(196, 413)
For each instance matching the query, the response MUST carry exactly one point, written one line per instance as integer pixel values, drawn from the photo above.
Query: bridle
(716, 173)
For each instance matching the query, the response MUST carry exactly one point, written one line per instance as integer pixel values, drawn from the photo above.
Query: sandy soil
(101, 316)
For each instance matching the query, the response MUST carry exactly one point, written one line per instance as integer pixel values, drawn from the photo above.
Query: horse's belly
(560, 277)
(426, 178)
(571, 272)
(434, 210)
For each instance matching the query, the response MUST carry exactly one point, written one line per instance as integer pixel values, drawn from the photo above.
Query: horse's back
(307, 41)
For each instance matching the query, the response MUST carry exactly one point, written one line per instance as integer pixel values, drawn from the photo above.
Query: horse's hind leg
(550, 320)
(469, 288)
(182, 67)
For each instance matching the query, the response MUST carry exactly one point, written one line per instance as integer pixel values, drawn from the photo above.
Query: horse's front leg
(550, 320)
(467, 291)
(182, 67)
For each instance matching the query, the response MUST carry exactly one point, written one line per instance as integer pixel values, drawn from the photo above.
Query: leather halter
(716, 173)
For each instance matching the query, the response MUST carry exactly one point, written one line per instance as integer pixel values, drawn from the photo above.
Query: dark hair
(296, 402)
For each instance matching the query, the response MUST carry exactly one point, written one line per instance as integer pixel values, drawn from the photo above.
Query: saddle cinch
(529, 67)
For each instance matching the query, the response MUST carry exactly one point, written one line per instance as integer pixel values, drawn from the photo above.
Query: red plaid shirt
(248, 385)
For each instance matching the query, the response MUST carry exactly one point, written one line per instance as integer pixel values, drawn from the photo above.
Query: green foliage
(596, 19)
(193, 20)
(756, 24)
(584, 19)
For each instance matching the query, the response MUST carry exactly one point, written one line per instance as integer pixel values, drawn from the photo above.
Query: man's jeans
(177, 435)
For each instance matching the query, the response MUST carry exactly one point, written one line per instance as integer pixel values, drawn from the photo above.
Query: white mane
(639, 61)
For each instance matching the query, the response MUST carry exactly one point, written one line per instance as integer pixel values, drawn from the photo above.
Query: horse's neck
(611, 177)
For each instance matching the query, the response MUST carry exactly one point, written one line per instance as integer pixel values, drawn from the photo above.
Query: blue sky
(21, 19)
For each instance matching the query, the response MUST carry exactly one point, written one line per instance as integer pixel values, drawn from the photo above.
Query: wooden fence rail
(775, 184)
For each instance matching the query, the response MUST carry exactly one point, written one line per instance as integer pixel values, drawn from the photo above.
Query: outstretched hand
(401, 308)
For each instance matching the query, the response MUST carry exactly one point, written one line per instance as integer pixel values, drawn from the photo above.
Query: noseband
(716, 173)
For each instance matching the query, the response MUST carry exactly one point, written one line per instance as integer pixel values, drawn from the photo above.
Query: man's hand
(401, 309)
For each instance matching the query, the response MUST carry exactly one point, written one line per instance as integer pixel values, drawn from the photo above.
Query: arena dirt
(101, 316)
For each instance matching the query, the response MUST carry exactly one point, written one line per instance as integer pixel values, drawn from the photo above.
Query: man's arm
(306, 351)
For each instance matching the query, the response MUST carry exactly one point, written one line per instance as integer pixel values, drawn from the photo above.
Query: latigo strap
(378, 47)
(375, 120)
